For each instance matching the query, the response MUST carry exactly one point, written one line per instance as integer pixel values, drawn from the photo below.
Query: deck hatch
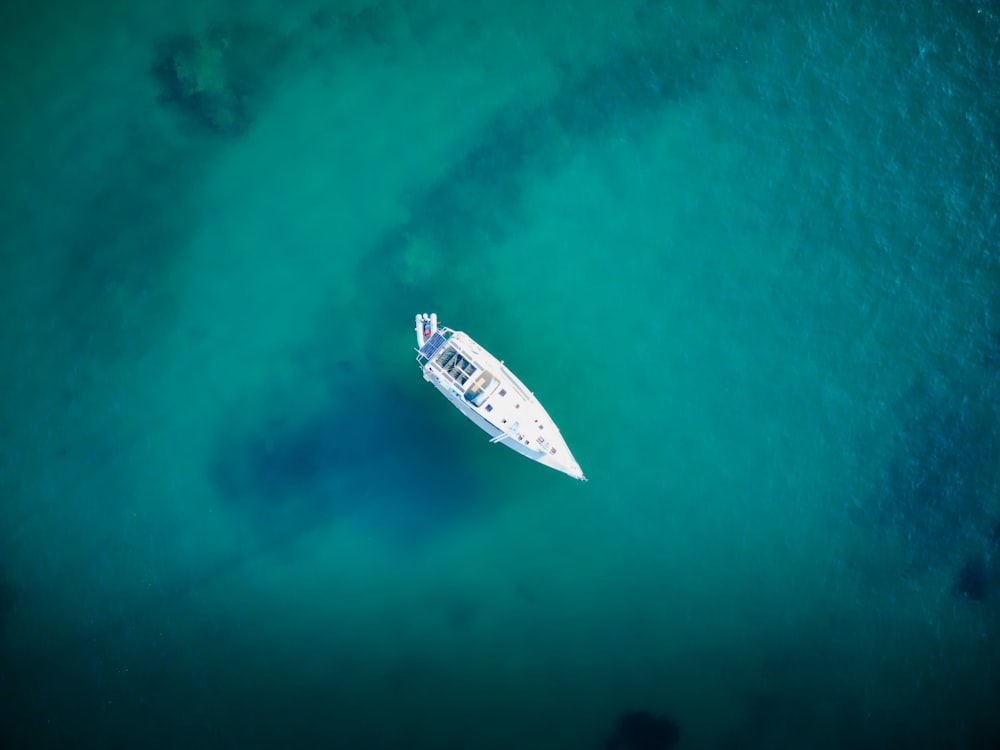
(455, 365)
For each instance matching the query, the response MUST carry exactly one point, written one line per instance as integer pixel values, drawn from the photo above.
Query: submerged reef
(218, 77)
(642, 730)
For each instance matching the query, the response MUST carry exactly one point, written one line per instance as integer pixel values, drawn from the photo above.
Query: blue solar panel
(430, 347)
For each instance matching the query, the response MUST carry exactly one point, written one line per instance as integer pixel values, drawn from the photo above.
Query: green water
(745, 257)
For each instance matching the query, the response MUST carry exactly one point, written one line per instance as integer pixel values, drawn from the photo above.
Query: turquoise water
(747, 258)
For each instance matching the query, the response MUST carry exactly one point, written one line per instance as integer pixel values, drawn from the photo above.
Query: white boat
(481, 387)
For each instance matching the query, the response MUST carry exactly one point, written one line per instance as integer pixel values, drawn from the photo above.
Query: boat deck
(489, 394)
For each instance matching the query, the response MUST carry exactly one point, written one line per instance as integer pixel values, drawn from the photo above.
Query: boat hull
(490, 395)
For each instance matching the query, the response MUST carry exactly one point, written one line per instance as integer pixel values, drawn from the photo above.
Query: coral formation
(217, 77)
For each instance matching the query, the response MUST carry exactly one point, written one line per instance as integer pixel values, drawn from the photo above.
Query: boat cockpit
(461, 369)
(455, 365)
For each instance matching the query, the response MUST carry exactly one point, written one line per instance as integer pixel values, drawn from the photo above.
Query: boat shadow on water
(371, 457)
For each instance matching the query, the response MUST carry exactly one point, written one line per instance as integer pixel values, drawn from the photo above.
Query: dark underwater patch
(137, 215)
(113, 295)
(991, 349)
(369, 456)
(971, 581)
(219, 78)
(642, 730)
(977, 577)
(940, 489)
(477, 202)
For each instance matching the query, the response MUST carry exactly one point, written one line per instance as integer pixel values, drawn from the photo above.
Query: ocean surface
(746, 254)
